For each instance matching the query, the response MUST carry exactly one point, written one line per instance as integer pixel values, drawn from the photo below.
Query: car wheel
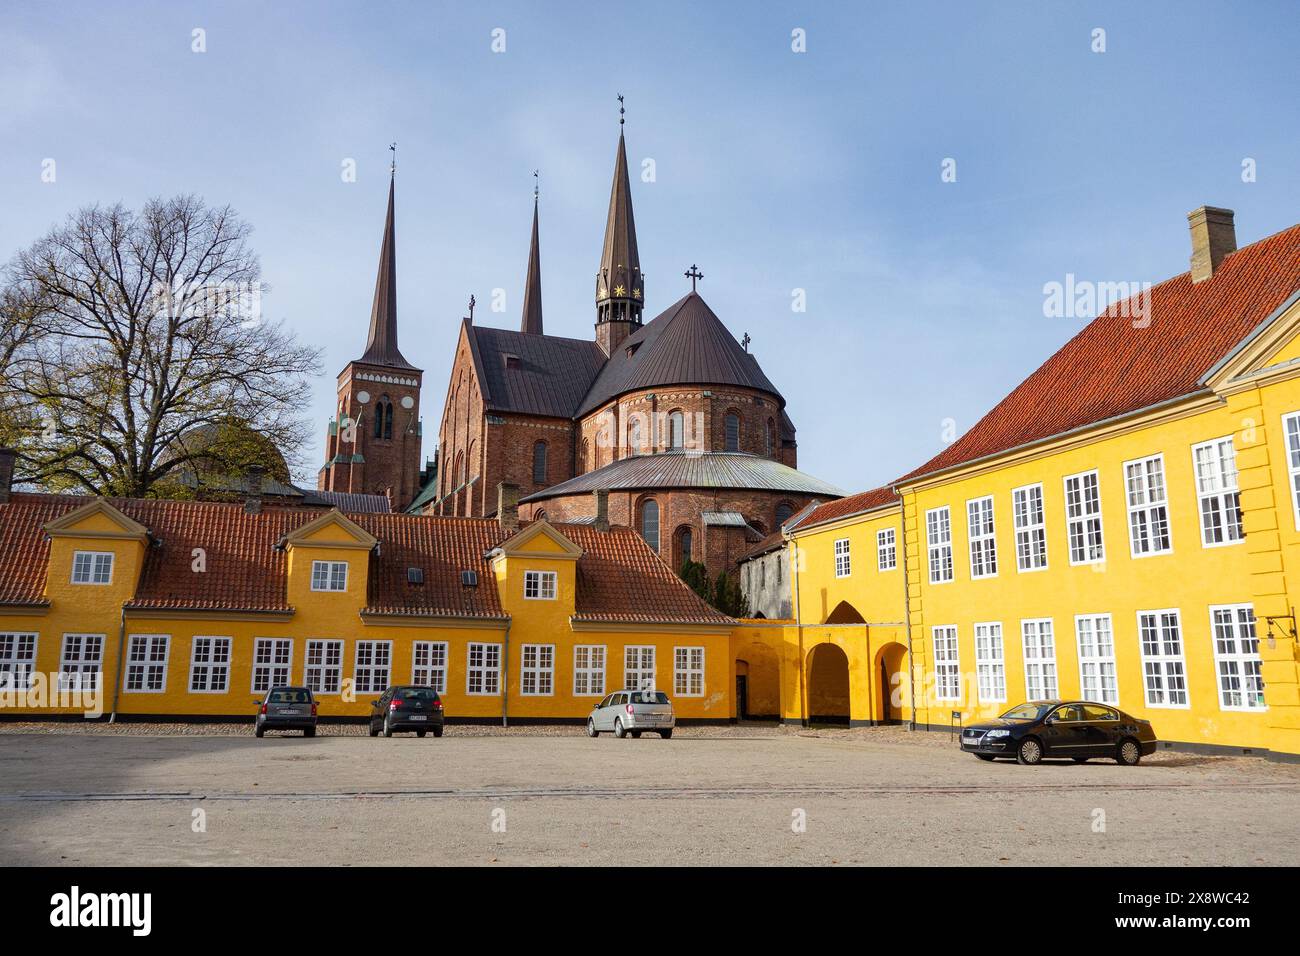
(1029, 752)
(420, 733)
(257, 730)
(619, 732)
(666, 734)
(984, 756)
(388, 728)
(374, 731)
(1128, 752)
(1079, 759)
(437, 731)
(591, 728)
(309, 732)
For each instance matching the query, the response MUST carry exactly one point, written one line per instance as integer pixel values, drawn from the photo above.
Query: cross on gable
(693, 273)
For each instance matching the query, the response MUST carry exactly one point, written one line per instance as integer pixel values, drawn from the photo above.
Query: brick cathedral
(668, 426)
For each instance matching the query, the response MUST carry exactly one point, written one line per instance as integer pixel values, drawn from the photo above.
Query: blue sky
(775, 170)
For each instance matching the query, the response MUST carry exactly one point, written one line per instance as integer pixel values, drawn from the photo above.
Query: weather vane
(621, 111)
(535, 183)
(472, 303)
(693, 273)
(744, 342)
(392, 167)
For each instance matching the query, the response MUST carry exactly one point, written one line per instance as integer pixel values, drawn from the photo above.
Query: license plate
(419, 717)
(290, 710)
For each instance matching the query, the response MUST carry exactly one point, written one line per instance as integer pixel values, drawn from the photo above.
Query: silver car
(631, 712)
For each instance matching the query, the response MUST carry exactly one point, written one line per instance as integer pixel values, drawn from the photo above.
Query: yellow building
(191, 609)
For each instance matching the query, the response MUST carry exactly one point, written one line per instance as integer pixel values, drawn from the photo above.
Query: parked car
(409, 707)
(631, 712)
(1077, 729)
(286, 708)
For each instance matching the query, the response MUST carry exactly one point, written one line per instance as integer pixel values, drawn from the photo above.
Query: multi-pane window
(323, 668)
(537, 670)
(1031, 529)
(1291, 426)
(17, 660)
(1097, 671)
(483, 675)
(1216, 490)
(1083, 518)
(979, 529)
(540, 585)
(938, 536)
(1148, 508)
(650, 522)
(843, 559)
(639, 667)
(588, 670)
(329, 575)
(1163, 668)
(146, 663)
(81, 661)
(732, 432)
(1236, 657)
(688, 671)
(429, 665)
(373, 665)
(990, 663)
(947, 662)
(272, 658)
(1040, 658)
(886, 550)
(210, 665)
(92, 567)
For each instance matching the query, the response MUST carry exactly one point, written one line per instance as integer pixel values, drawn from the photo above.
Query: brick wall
(383, 463)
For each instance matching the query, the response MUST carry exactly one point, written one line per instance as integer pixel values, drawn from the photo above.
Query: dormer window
(329, 575)
(631, 349)
(92, 567)
(512, 361)
(540, 585)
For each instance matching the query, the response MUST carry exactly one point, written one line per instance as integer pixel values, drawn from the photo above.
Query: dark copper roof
(550, 378)
(732, 470)
(381, 346)
(532, 321)
(687, 344)
(620, 264)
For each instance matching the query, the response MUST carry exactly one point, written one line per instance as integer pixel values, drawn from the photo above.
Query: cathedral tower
(620, 291)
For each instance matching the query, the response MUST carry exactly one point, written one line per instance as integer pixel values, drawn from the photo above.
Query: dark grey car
(286, 708)
(406, 708)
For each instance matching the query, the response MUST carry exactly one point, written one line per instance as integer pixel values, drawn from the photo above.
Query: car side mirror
(1050, 720)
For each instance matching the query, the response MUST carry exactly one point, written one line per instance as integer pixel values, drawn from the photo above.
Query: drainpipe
(798, 623)
(505, 679)
(907, 611)
(117, 680)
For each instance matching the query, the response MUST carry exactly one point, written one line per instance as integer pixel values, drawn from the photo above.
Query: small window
(733, 432)
(886, 550)
(373, 663)
(540, 585)
(210, 665)
(688, 671)
(92, 567)
(323, 670)
(329, 575)
(539, 463)
(843, 559)
(537, 670)
(783, 513)
(429, 665)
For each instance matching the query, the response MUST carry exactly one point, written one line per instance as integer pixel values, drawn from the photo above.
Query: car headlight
(998, 733)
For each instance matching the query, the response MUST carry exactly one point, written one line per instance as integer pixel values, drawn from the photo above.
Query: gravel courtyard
(178, 795)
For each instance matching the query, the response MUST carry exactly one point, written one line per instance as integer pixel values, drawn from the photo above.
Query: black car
(286, 708)
(406, 708)
(1077, 729)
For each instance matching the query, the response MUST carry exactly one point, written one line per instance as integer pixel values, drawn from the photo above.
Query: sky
(823, 176)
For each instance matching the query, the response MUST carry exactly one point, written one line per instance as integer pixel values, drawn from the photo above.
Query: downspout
(117, 678)
(798, 624)
(505, 679)
(907, 612)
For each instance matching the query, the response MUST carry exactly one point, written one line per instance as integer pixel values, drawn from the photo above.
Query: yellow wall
(877, 595)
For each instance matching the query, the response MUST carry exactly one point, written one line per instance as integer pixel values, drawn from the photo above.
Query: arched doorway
(891, 672)
(758, 683)
(828, 685)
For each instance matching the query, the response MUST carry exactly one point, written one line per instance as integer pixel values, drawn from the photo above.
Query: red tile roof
(852, 505)
(1111, 368)
(619, 578)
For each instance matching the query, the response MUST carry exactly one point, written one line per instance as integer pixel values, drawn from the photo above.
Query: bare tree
(144, 329)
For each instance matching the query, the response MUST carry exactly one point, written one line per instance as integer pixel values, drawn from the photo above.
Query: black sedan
(406, 708)
(1077, 729)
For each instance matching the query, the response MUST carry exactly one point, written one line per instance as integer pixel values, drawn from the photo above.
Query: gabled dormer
(536, 574)
(96, 556)
(329, 564)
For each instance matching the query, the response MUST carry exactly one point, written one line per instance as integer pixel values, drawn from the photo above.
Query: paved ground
(88, 796)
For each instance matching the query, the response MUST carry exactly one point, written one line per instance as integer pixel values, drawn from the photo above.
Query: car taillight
(629, 708)
(437, 705)
(264, 708)
(395, 705)
(313, 708)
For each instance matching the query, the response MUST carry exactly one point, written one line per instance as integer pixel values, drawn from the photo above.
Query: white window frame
(1163, 664)
(94, 559)
(273, 666)
(688, 671)
(429, 664)
(990, 663)
(1291, 435)
(1236, 657)
(947, 662)
(315, 676)
(981, 530)
(215, 661)
(377, 662)
(325, 576)
(589, 670)
(536, 670)
(938, 539)
(487, 669)
(843, 558)
(1218, 491)
(1030, 526)
(147, 664)
(20, 665)
(1094, 636)
(635, 657)
(75, 667)
(541, 585)
(1083, 520)
(886, 550)
(1147, 507)
(1038, 643)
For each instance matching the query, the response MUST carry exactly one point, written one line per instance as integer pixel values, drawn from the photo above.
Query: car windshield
(290, 696)
(649, 697)
(1027, 711)
(416, 693)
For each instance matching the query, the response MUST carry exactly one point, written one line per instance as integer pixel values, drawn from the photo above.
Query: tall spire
(381, 346)
(620, 290)
(532, 321)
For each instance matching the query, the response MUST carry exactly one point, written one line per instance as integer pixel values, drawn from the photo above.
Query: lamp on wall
(1288, 628)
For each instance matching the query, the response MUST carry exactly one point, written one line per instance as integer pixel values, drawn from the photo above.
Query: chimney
(508, 506)
(1214, 237)
(7, 458)
(602, 508)
(253, 503)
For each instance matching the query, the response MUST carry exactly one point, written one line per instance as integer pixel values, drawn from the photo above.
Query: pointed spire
(620, 290)
(532, 321)
(381, 346)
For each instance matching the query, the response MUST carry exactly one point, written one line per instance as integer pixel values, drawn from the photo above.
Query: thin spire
(381, 346)
(619, 279)
(532, 321)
